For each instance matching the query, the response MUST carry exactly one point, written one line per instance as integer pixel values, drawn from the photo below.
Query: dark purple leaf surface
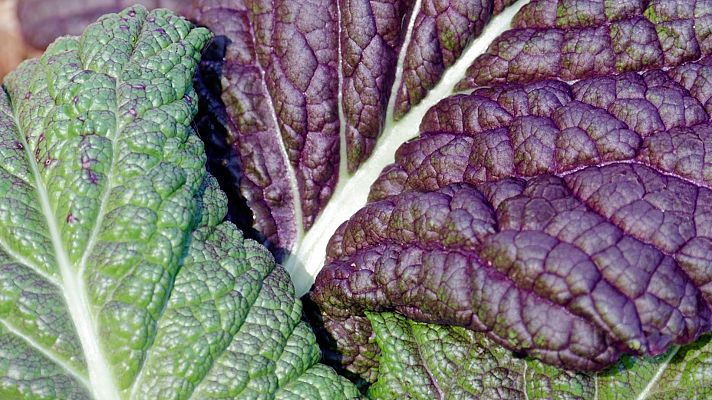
(561, 205)
(571, 222)
(265, 128)
(441, 31)
(577, 39)
(42, 21)
(310, 85)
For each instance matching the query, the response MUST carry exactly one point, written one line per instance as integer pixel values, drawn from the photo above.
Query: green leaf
(118, 278)
(428, 361)
(681, 373)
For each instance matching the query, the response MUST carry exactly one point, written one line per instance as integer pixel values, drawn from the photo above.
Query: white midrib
(307, 256)
(398, 80)
(102, 382)
(433, 380)
(291, 173)
(643, 395)
(661, 369)
(47, 353)
(31, 265)
(343, 154)
(524, 380)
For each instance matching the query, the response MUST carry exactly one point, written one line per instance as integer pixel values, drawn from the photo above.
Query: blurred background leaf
(41, 21)
(13, 49)
(27, 27)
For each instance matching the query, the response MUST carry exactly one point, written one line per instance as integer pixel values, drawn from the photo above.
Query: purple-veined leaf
(308, 98)
(558, 202)
(567, 220)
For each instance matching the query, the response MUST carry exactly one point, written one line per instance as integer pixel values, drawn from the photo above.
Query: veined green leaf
(429, 361)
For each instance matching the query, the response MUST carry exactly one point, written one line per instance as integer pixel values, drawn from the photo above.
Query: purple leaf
(558, 203)
(579, 39)
(568, 221)
(310, 86)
